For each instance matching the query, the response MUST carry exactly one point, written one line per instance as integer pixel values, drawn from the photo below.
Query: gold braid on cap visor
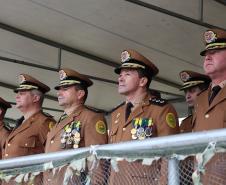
(216, 45)
(28, 86)
(132, 65)
(193, 83)
(69, 82)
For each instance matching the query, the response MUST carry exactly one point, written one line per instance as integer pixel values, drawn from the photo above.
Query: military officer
(5, 129)
(29, 135)
(210, 109)
(139, 117)
(193, 84)
(78, 126)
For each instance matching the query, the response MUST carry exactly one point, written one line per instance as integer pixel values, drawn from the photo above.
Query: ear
(36, 98)
(143, 81)
(81, 94)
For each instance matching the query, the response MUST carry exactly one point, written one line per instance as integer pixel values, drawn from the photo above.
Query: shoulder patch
(9, 126)
(121, 104)
(101, 127)
(158, 101)
(94, 109)
(171, 120)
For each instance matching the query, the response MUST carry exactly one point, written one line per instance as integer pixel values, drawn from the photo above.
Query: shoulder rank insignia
(9, 126)
(158, 101)
(47, 114)
(121, 104)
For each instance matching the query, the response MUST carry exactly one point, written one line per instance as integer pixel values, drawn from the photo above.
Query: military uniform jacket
(89, 133)
(29, 138)
(209, 117)
(213, 116)
(162, 114)
(92, 132)
(186, 125)
(165, 122)
(3, 135)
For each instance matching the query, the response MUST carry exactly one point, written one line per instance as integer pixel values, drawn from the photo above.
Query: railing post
(173, 172)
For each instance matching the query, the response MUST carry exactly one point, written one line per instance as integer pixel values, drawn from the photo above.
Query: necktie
(213, 93)
(128, 109)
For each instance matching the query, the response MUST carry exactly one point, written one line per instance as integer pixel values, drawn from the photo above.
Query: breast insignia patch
(101, 127)
(171, 120)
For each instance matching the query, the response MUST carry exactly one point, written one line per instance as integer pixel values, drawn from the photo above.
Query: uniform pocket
(28, 142)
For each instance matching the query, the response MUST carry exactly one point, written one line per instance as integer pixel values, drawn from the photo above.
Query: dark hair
(84, 88)
(203, 86)
(143, 73)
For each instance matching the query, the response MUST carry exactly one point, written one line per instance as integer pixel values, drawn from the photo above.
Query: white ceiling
(96, 32)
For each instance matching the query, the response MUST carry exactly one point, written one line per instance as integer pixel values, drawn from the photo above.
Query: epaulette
(48, 115)
(94, 109)
(201, 92)
(158, 101)
(121, 104)
(9, 126)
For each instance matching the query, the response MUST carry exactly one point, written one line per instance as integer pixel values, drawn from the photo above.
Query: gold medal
(133, 131)
(77, 135)
(142, 137)
(77, 139)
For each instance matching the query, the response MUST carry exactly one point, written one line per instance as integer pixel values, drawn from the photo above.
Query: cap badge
(125, 55)
(62, 74)
(210, 36)
(184, 76)
(22, 79)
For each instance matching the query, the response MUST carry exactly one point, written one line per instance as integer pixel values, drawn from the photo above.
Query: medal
(77, 135)
(134, 137)
(75, 146)
(133, 131)
(148, 132)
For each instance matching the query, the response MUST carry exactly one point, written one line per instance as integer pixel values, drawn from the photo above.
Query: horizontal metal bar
(160, 146)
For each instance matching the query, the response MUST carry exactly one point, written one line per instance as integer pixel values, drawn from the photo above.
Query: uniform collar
(222, 84)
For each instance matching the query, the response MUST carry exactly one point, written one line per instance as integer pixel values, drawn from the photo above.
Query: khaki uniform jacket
(186, 125)
(209, 117)
(28, 139)
(160, 112)
(3, 135)
(89, 133)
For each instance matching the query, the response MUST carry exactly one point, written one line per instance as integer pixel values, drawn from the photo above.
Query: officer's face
(191, 95)
(215, 63)
(24, 99)
(67, 96)
(128, 81)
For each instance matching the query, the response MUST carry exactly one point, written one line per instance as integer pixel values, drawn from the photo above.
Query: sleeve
(95, 131)
(167, 122)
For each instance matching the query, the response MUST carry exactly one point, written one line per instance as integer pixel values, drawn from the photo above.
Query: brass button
(9, 144)
(48, 180)
(6, 155)
(124, 129)
(207, 116)
(25, 144)
(51, 141)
